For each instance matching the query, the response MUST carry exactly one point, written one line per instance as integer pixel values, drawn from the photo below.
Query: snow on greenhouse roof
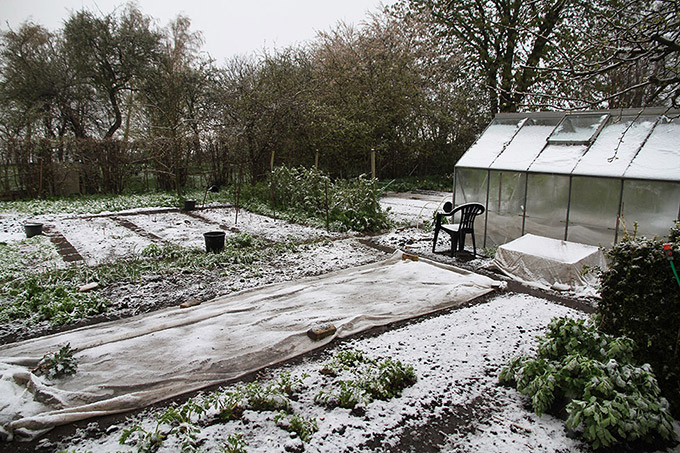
(659, 157)
(494, 139)
(632, 143)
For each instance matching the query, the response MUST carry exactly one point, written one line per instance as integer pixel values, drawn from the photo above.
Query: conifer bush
(641, 299)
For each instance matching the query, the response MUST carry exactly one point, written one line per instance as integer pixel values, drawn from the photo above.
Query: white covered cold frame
(551, 263)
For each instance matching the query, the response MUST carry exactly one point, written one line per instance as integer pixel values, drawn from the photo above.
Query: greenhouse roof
(633, 143)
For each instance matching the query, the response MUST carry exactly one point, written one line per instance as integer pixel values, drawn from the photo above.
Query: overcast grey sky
(229, 27)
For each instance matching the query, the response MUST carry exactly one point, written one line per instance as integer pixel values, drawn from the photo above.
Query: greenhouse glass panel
(487, 147)
(471, 186)
(547, 198)
(593, 209)
(652, 204)
(526, 145)
(616, 146)
(505, 210)
(659, 158)
(577, 128)
(558, 159)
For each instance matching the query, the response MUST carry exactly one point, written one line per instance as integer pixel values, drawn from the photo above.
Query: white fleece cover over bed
(131, 363)
(551, 263)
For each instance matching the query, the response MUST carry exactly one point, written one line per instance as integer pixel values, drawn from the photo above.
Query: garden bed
(456, 403)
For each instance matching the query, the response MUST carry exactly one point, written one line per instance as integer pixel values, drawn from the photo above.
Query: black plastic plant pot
(189, 204)
(33, 229)
(214, 241)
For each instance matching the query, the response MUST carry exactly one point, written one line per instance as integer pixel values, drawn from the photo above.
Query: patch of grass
(94, 204)
(18, 259)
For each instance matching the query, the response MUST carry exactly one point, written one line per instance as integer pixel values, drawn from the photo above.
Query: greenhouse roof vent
(578, 129)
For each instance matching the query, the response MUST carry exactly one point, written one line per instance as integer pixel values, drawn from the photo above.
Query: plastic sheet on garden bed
(551, 263)
(131, 363)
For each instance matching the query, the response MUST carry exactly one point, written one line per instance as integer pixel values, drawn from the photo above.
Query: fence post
(373, 163)
(327, 229)
(238, 190)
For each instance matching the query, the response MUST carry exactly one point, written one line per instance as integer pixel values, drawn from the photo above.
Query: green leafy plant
(608, 395)
(235, 444)
(290, 384)
(144, 441)
(57, 364)
(343, 360)
(370, 379)
(303, 427)
(345, 394)
(230, 405)
(265, 397)
(47, 297)
(299, 195)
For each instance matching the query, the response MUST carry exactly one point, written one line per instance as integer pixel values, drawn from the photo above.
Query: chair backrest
(468, 212)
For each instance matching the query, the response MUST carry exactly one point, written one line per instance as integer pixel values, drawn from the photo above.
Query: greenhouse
(581, 177)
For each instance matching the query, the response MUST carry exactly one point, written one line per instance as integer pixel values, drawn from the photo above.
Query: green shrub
(608, 395)
(641, 299)
(299, 195)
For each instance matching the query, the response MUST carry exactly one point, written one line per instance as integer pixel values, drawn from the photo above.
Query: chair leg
(434, 242)
(454, 244)
(474, 245)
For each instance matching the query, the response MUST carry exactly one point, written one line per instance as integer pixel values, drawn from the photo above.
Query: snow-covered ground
(456, 357)
(414, 208)
(456, 404)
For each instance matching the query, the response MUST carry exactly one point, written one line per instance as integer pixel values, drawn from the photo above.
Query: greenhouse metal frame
(586, 177)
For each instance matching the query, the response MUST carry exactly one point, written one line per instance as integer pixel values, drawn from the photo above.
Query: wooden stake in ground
(238, 191)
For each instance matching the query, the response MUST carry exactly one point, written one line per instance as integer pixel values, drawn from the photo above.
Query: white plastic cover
(550, 263)
(131, 363)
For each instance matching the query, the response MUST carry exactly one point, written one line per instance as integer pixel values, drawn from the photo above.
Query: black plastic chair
(457, 231)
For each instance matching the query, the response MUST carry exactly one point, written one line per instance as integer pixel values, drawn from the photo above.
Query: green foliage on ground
(52, 294)
(49, 296)
(57, 364)
(442, 183)
(182, 424)
(609, 397)
(641, 299)
(94, 204)
(357, 380)
(309, 196)
(179, 426)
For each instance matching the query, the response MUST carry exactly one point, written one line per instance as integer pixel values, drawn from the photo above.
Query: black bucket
(33, 229)
(189, 204)
(214, 241)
